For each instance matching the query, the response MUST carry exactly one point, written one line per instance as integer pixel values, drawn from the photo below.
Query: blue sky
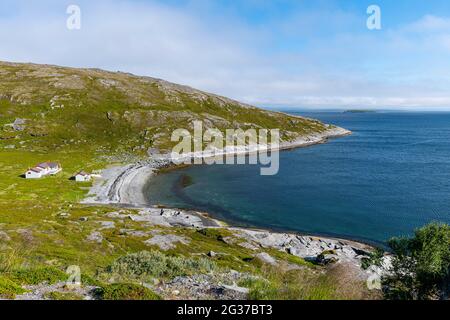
(299, 53)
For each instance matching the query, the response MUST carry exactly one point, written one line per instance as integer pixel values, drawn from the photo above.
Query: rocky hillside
(45, 107)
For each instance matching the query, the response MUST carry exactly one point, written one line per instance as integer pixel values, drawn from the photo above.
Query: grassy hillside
(76, 117)
(66, 108)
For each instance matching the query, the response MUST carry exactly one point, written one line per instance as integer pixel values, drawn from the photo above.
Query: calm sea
(388, 178)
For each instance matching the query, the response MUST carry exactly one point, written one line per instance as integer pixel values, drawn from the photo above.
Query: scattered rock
(166, 241)
(42, 291)
(266, 258)
(26, 234)
(134, 233)
(212, 254)
(19, 124)
(63, 214)
(249, 246)
(237, 289)
(4, 236)
(327, 259)
(221, 286)
(107, 225)
(176, 292)
(95, 236)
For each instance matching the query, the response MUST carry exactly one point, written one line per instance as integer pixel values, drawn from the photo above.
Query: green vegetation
(374, 259)
(31, 276)
(88, 119)
(9, 289)
(126, 291)
(116, 113)
(154, 264)
(421, 265)
(56, 295)
(281, 283)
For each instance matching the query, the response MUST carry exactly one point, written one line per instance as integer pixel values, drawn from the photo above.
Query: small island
(359, 111)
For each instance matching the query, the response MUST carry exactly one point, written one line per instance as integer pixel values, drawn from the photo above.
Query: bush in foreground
(154, 264)
(36, 276)
(421, 265)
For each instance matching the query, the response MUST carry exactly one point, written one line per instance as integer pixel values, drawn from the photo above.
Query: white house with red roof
(43, 169)
(82, 176)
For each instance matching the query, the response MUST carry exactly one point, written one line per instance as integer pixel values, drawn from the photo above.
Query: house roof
(82, 173)
(48, 165)
(35, 169)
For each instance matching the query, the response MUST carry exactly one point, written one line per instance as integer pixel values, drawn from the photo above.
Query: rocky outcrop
(166, 241)
(319, 250)
(220, 286)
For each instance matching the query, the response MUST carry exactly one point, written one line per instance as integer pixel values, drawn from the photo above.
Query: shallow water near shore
(391, 176)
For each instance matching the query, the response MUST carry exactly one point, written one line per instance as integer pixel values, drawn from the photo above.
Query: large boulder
(327, 257)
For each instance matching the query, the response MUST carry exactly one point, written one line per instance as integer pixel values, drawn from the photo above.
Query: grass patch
(279, 283)
(126, 291)
(56, 295)
(36, 276)
(154, 264)
(9, 289)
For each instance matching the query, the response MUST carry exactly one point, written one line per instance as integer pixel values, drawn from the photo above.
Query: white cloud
(430, 23)
(225, 55)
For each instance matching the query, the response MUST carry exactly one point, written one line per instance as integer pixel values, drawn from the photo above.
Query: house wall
(32, 175)
(82, 178)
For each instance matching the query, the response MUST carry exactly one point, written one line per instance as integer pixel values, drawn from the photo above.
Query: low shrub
(35, 276)
(155, 264)
(56, 295)
(126, 291)
(9, 289)
(278, 283)
(374, 259)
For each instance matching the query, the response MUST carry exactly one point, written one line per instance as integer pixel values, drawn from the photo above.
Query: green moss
(38, 275)
(9, 289)
(56, 295)
(126, 291)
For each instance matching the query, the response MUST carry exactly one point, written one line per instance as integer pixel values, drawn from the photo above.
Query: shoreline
(123, 187)
(124, 184)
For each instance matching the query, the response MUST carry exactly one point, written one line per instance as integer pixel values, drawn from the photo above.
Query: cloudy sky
(298, 53)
